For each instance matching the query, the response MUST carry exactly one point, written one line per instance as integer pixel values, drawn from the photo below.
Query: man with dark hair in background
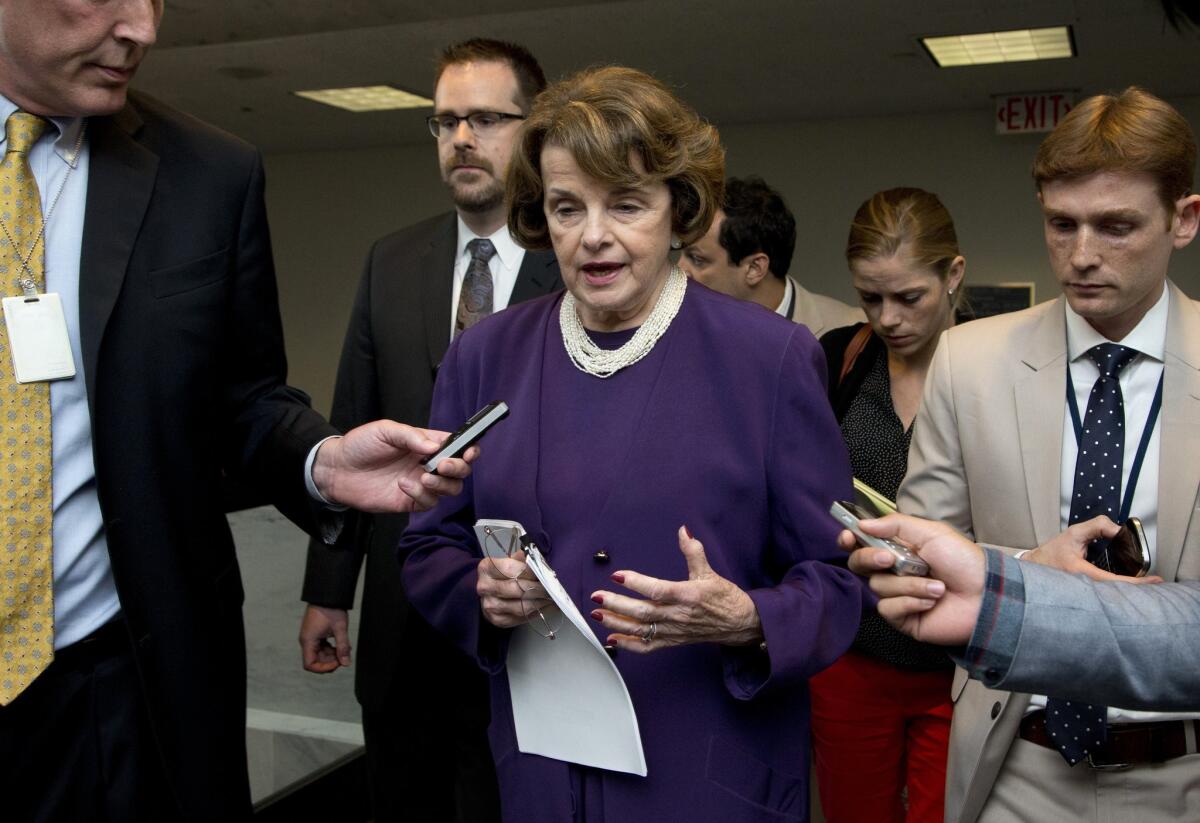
(748, 251)
(425, 704)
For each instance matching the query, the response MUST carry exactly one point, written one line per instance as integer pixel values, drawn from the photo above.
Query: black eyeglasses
(482, 123)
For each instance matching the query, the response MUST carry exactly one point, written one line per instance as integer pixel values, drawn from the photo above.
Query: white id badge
(37, 336)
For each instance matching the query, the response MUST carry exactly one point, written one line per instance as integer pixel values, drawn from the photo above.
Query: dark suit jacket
(184, 366)
(398, 333)
(834, 343)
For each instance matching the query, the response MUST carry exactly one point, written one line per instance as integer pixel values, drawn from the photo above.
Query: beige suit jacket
(821, 313)
(985, 458)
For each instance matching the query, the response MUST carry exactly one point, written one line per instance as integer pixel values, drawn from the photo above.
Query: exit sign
(1024, 113)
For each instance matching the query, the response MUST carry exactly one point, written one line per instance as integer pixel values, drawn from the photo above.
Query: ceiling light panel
(1001, 46)
(367, 98)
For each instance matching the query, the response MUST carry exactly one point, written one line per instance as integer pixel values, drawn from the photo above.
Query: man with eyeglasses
(425, 705)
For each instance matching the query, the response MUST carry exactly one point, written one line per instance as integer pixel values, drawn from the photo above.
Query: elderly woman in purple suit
(672, 452)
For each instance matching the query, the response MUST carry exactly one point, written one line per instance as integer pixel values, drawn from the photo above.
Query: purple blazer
(737, 441)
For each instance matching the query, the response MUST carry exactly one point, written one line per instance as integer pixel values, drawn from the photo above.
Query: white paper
(569, 700)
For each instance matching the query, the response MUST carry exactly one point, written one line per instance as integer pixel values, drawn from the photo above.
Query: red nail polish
(596, 615)
(618, 578)
(688, 532)
(598, 598)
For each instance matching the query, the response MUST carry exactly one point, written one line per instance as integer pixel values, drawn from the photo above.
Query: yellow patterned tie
(26, 567)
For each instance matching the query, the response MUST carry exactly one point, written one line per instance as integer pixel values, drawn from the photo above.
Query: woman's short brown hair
(904, 217)
(1132, 131)
(603, 117)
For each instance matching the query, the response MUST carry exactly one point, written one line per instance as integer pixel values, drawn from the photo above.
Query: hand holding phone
(1126, 554)
(907, 562)
(466, 435)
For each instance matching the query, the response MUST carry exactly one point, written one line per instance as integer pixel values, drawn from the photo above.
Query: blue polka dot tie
(475, 300)
(1078, 728)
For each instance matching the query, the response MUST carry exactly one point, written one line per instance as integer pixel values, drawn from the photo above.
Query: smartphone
(468, 433)
(907, 562)
(1126, 553)
(499, 538)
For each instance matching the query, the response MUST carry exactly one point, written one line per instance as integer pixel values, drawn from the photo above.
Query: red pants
(877, 730)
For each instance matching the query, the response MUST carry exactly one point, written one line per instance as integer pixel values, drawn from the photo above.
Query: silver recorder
(848, 514)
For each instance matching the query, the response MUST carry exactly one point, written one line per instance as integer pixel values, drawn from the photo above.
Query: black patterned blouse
(878, 446)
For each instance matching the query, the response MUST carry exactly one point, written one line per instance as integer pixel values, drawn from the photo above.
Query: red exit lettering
(1021, 113)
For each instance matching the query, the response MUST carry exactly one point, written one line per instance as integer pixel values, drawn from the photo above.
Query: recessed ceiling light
(367, 98)
(1001, 46)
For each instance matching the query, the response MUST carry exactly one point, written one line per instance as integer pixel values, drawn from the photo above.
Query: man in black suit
(129, 702)
(425, 706)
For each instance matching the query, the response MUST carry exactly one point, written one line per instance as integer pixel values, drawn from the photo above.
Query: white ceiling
(235, 62)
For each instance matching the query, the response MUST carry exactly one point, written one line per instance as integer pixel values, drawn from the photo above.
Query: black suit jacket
(183, 360)
(398, 333)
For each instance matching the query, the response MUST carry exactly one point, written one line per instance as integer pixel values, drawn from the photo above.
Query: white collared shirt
(504, 265)
(1139, 381)
(784, 309)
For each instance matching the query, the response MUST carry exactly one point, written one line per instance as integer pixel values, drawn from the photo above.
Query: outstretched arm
(1028, 627)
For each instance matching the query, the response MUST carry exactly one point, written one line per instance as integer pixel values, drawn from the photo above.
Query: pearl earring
(676, 243)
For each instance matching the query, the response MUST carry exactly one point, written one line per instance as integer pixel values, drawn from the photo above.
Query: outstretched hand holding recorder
(468, 433)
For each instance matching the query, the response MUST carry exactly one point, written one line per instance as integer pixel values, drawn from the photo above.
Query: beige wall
(327, 207)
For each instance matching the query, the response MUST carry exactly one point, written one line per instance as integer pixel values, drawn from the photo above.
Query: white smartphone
(907, 562)
(468, 433)
(499, 538)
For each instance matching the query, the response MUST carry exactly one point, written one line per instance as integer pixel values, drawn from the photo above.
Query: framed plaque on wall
(991, 299)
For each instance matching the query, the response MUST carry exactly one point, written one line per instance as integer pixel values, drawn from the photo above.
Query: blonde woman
(884, 709)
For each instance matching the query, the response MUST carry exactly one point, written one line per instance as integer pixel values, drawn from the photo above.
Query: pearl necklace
(598, 362)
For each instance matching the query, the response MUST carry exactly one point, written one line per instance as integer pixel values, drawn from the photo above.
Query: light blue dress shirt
(85, 597)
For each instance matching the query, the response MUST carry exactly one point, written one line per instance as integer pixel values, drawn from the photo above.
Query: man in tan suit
(747, 252)
(1004, 451)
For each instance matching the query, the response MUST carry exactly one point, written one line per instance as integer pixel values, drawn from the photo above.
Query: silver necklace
(598, 362)
(27, 283)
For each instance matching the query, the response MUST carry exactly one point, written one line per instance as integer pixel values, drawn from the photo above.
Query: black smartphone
(462, 439)
(1126, 553)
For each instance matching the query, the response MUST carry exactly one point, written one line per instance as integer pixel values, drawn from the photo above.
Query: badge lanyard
(28, 284)
(38, 338)
(1135, 470)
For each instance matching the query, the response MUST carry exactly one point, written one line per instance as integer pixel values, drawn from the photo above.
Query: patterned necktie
(1078, 728)
(475, 300)
(26, 568)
